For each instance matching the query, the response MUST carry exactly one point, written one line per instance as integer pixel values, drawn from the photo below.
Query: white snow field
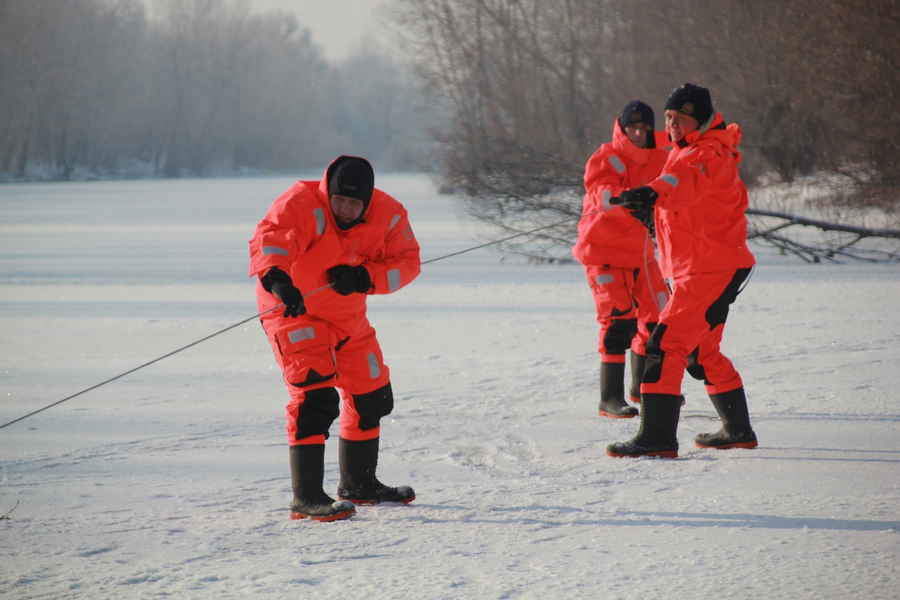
(173, 482)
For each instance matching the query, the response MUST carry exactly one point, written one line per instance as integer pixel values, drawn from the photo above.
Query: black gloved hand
(291, 296)
(639, 202)
(346, 279)
(642, 197)
(279, 283)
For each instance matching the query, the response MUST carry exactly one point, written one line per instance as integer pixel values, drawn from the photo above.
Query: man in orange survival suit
(618, 255)
(699, 202)
(338, 240)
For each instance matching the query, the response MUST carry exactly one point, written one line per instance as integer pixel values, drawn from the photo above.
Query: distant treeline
(197, 87)
(534, 86)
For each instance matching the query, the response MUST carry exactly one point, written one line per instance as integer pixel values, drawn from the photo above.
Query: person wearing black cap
(339, 240)
(617, 254)
(698, 202)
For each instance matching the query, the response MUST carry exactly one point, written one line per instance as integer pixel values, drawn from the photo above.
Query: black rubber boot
(736, 431)
(310, 500)
(637, 371)
(358, 482)
(658, 433)
(612, 392)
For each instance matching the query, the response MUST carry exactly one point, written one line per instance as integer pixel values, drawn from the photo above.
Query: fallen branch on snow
(815, 252)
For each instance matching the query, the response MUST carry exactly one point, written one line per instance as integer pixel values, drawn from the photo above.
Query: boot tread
(624, 412)
(325, 512)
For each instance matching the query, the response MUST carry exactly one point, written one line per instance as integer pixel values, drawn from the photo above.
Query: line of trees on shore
(102, 88)
(516, 94)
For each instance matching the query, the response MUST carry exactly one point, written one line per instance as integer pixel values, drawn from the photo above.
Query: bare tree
(66, 79)
(534, 86)
(198, 87)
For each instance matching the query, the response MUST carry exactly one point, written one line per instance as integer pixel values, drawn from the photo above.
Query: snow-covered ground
(173, 481)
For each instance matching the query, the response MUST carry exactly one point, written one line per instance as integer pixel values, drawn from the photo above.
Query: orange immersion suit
(616, 249)
(702, 234)
(332, 344)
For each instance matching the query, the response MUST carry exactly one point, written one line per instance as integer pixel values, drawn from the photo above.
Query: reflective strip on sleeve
(670, 179)
(274, 250)
(605, 278)
(304, 333)
(617, 163)
(374, 367)
(604, 199)
(319, 214)
(393, 277)
(394, 220)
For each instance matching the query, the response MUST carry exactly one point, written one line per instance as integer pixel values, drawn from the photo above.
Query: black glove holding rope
(346, 280)
(279, 283)
(639, 202)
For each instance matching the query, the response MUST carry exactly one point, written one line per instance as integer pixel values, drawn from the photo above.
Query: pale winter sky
(336, 25)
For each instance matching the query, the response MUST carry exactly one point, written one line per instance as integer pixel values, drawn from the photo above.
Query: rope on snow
(256, 316)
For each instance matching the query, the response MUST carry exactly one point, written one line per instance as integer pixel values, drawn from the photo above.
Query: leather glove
(346, 280)
(279, 283)
(639, 202)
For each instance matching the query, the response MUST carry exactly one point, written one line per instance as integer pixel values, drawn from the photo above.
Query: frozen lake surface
(173, 481)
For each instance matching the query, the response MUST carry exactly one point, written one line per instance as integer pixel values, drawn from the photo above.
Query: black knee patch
(655, 355)
(374, 405)
(694, 368)
(717, 313)
(618, 336)
(320, 408)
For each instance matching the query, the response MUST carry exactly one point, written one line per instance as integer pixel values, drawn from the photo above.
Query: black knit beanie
(352, 177)
(693, 101)
(636, 112)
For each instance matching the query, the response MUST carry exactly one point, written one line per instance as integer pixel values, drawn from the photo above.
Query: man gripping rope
(337, 240)
(699, 202)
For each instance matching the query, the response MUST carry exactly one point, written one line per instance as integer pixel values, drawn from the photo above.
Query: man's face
(638, 133)
(679, 124)
(346, 209)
